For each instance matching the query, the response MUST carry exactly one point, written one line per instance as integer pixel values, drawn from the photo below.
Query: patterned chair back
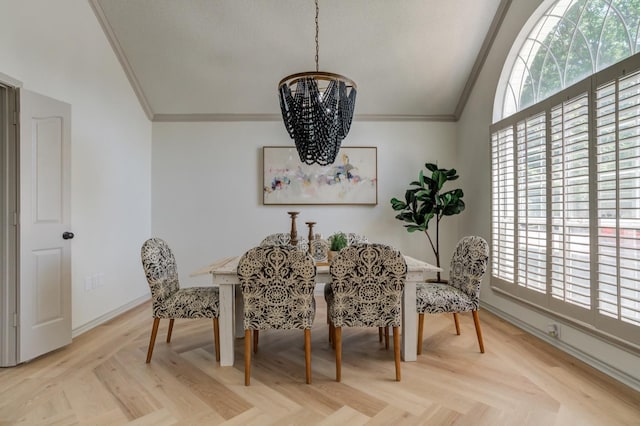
(367, 284)
(284, 239)
(468, 265)
(319, 249)
(277, 287)
(160, 269)
(353, 238)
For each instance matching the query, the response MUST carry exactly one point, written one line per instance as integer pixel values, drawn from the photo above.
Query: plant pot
(331, 254)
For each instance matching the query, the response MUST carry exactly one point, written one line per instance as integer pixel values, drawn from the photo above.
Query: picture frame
(351, 180)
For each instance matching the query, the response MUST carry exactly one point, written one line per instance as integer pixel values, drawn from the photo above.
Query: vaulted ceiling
(223, 59)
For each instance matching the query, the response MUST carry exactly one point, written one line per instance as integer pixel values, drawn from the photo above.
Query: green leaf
(408, 197)
(405, 217)
(431, 167)
(428, 219)
(440, 178)
(397, 204)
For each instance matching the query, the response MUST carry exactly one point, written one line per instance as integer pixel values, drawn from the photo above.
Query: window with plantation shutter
(618, 189)
(503, 203)
(566, 203)
(570, 251)
(532, 203)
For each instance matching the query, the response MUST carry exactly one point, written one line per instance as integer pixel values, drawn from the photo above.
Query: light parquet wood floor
(102, 379)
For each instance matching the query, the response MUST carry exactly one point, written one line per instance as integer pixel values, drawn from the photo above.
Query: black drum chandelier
(317, 108)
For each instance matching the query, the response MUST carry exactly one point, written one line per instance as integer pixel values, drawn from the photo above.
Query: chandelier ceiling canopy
(317, 109)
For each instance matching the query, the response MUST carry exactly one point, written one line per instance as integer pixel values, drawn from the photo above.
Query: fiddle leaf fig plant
(425, 200)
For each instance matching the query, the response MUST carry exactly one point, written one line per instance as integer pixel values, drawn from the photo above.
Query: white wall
(57, 48)
(475, 166)
(207, 187)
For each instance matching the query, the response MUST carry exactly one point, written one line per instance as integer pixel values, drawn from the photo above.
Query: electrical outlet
(553, 330)
(88, 283)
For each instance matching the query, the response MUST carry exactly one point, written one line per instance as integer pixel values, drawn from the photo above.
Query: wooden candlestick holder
(310, 225)
(294, 231)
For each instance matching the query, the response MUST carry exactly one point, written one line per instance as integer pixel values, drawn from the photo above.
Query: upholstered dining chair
(354, 238)
(283, 239)
(367, 281)
(277, 288)
(461, 293)
(169, 301)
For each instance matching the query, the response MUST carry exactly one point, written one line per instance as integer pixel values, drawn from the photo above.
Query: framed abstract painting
(351, 179)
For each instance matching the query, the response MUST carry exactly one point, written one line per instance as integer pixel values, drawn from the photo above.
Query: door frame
(9, 214)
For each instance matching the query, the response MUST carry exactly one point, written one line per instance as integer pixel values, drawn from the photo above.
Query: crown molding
(215, 117)
(278, 117)
(9, 81)
(404, 117)
(503, 7)
(124, 62)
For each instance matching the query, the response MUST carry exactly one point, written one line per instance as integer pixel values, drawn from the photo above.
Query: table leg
(409, 321)
(226, 324)
(239, 314)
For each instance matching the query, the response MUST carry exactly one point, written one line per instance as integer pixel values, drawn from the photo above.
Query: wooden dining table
(224, 275)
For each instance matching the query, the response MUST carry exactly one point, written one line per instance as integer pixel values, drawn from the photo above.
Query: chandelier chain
(317, 46)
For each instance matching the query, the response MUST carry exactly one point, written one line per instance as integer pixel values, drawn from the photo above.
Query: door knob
(67, 235)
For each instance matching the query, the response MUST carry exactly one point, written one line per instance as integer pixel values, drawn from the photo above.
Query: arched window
(570, 41)
(565, 166)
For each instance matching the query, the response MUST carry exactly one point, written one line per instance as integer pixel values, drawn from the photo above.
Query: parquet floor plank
(134, 400)
(345, 416)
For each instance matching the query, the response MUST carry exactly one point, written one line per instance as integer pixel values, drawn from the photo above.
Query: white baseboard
(596, 363)
(109, 315)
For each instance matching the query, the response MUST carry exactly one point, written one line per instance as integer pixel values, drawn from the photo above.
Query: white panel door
(45, 255)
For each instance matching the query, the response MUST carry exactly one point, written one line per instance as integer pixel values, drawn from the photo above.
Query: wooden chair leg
(170, 330)
(256, 334)
(386, 338)
(337, 340)
(396, 350)
(307, 353)
(457, 321)
(333, 336)
(420, 332)
(380, 332)
(476, 321)
(247, 357)
(216, 337)
(152, 341)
